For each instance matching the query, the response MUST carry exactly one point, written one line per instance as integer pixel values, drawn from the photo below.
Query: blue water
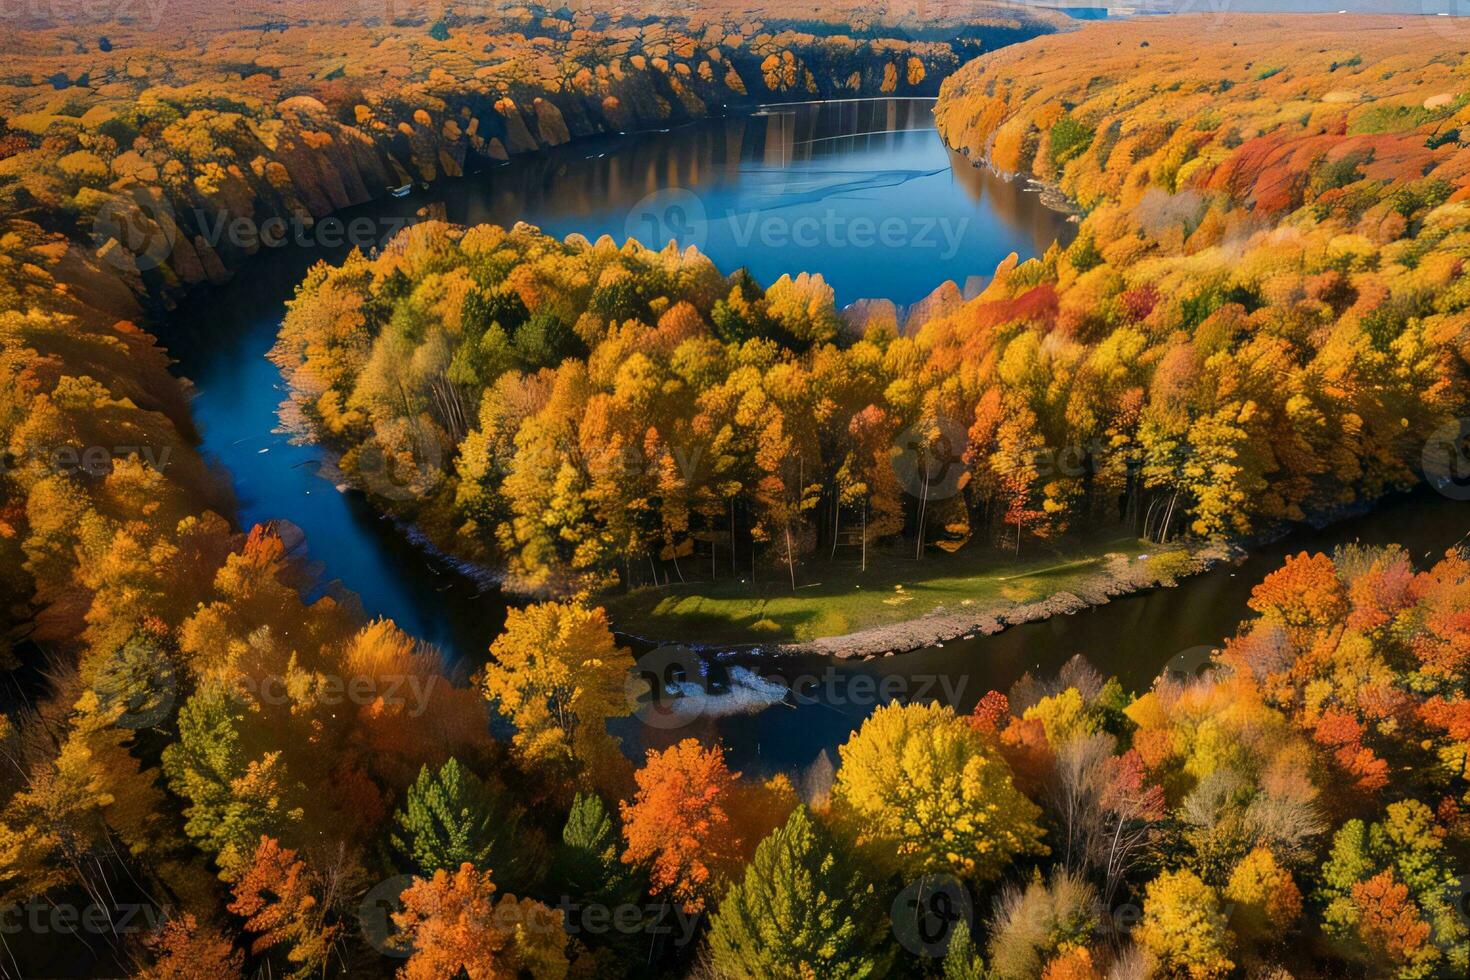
(702, 184)
(863, 192)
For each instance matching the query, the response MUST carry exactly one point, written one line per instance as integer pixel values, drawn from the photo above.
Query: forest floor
(901, 603)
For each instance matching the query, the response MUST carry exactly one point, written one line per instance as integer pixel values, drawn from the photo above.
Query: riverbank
(850, 614)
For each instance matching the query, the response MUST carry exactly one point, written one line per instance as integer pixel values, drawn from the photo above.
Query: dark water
(862, 192)
(1133, 638)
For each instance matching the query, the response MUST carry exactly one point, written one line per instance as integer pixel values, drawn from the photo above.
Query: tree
(277, 900)
(679, 822)
(1265, 900)
(1391, 928)
(452, 817)
(1184, 928)
(234, 799)
(456, 928)
(920, 790)
(185, 949)
(586, 865)
(557, 675)
(802, 909)
(1303, 594)
(962, 960)
(1033, 925)
(1385, 882)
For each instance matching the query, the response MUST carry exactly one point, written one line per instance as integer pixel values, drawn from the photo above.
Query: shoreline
(1119, 577)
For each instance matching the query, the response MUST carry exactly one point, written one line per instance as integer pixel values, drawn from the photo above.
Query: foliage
(801, 909)
(452, 817)
(919, 765)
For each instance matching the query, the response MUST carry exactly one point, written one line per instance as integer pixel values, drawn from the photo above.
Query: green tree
(451, 817)
(962, 960)
(586, 861)
(234, 796)
(802, 909)
(1404, 847)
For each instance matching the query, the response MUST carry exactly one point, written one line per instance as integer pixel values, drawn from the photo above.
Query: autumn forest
(1071, 722)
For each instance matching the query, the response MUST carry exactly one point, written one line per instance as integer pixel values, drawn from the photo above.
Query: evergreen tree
(451, 817)
(586, 868)
(800, 910)
(586, 861)
(962, 961)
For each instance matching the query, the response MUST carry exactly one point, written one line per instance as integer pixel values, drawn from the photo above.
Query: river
(863, 192)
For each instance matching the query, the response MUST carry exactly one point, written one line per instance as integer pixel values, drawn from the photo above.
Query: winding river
(863, 192)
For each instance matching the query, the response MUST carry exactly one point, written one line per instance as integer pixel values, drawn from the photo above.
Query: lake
(863, 192)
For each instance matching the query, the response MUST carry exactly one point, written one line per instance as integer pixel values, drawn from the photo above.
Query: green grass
(834, 598)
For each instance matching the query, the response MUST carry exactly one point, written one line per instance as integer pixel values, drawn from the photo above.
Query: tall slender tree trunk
(923, 509)
(865, 535)
(1168, 517)
(733, 569)
(790, 558)
(836, 519)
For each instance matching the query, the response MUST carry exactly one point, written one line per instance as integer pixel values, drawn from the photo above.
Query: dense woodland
(288, 111)
(1260, 320)
(179, 738)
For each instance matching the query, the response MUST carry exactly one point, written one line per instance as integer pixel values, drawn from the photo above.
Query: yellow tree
(922, 791)
(557, 675)
(1184, 928)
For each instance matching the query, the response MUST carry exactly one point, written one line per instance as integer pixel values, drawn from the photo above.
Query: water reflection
(758, 182)
(840, 165)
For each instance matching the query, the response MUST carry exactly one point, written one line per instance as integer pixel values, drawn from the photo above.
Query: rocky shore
(1118, 576)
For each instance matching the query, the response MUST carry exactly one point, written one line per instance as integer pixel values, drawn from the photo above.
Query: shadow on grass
(837, 597)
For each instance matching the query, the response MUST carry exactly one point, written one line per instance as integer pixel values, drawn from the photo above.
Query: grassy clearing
(835, 598)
